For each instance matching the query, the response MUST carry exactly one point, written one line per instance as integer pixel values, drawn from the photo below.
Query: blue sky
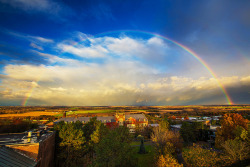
(108, 52)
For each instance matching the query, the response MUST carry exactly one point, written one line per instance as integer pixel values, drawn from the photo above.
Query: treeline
(198, 112)
(16, 126)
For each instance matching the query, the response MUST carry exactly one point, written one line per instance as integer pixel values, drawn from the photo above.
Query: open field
(34, 111)
(27, 114)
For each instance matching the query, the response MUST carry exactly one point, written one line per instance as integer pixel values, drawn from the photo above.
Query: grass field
(27, 114)
(144, 160)
(86, 112)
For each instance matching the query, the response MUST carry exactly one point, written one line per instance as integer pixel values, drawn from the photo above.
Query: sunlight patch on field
(31, 114)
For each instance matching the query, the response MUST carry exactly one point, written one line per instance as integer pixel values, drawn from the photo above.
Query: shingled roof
(12, 158)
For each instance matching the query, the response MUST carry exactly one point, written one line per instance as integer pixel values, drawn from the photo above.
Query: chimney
(29, 134)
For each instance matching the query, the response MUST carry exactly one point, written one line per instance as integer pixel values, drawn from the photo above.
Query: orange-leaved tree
(229, 127)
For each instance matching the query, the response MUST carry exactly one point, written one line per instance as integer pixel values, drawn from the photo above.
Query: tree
(167, 161)
(197, 157)
(187, 132)
(229, 125)
(165, 141)
(236, 149)
(114, 149)
(70, 143)
(142, 147)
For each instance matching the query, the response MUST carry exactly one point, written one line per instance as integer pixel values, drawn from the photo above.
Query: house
(119, 119)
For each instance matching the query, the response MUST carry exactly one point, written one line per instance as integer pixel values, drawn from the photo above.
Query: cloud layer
(110, 70)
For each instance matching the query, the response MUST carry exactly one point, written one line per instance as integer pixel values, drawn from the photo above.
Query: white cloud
(125, 76)
(33, 45)
(115, 83)
(40, 39)
(55, 59)
(87, 52)
(33, 39)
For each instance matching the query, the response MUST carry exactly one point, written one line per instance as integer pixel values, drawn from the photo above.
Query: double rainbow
(192, 53)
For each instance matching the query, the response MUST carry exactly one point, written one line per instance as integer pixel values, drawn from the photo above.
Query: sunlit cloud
(127, 75)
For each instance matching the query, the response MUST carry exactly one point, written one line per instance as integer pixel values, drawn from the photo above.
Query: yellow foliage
(167, 161)
(198, 157)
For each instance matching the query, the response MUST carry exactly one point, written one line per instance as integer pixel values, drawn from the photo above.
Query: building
(119, 119)
(33, 148)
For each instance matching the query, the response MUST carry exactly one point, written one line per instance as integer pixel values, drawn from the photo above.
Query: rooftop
(22, 138)
(10, 157)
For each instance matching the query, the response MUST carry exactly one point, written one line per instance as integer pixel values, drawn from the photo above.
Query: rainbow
(192, 53)
(29, 93)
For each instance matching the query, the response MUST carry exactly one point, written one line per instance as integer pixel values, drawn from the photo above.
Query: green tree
(114, 149)
(92, 134)
(187, 132)
(70, 143)
(142, 147)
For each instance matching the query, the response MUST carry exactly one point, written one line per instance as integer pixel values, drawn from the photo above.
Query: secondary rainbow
(30, 91)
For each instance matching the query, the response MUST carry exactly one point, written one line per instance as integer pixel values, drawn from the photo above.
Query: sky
(124, 52)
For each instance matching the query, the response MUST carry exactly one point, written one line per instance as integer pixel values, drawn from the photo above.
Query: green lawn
(90, 111)
(144, 160)
(86, 111)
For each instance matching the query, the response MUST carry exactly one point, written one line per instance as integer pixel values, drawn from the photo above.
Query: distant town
(124, 135)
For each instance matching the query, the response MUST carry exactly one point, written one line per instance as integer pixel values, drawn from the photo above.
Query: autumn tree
(195, 156)
(165, 141)
(236, 150)
(167, 161)
(229, 128)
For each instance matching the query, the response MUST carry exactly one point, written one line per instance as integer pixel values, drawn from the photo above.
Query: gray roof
(10, 157)
(21, 138)
(107, 119)
(136, 116)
